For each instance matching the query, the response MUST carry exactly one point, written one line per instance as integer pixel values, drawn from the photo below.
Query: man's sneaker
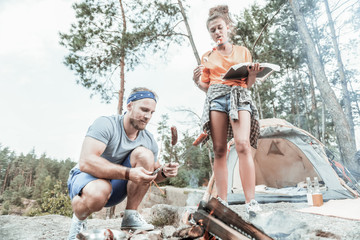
(252, 208)
(133, 220)
(77, 226)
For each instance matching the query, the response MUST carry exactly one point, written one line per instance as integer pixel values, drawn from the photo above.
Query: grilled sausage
(200, 139)
(174, 135)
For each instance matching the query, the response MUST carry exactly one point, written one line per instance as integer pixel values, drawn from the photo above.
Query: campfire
(213, 220)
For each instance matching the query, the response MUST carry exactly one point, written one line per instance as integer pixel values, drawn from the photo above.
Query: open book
(239, 71)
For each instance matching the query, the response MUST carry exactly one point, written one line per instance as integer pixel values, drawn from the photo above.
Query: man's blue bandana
(141, 95)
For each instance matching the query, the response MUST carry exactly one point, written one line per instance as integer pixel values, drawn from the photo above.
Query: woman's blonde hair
(220, 11)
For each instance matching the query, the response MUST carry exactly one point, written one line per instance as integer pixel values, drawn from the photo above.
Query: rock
(163, 214)
(152, 235)
(168, 231)
(102, 234)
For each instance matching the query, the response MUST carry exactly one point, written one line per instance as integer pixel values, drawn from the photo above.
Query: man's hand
(140, 175)
(170, 169)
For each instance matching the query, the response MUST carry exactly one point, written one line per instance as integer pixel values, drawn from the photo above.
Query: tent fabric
(285, 156)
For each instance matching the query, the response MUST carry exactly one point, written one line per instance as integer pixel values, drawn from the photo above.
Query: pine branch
(263, 29)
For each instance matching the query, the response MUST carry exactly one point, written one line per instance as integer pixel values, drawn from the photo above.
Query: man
(117, 160)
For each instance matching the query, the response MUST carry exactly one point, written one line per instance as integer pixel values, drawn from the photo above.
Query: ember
(207, 236)
(108, 234)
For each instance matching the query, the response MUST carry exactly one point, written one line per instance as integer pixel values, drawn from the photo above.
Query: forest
(316, 89)
(45, 180)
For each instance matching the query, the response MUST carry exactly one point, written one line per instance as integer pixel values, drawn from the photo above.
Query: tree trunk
(5, 179)
(340, 66)
(273, 104)
(342, 129)
(302, 88)
(314, 108)
(30, 180)
(316, 40)
(189, 32)
(296, 98)
(122, 63)
(356, 101)
(259, 102)
(323, 123)
(122, 82)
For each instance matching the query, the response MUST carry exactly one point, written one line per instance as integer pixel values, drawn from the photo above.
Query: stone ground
(280, 220)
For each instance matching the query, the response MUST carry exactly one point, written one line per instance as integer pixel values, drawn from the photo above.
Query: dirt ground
(282, 221)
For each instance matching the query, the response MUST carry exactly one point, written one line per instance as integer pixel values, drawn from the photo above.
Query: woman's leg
(218, 126)
(241, 130)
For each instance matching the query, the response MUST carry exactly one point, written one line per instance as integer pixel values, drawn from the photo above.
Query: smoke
(194, 196)
(280, 225)
(194, 181)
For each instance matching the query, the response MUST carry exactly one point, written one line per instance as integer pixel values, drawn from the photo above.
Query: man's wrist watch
(163, 174)
(127, 174)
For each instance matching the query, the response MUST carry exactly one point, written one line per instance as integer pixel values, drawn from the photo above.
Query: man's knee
(96, 194)
(142, 156)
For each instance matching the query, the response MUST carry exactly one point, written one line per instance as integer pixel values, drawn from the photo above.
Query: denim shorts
(223, 104)
(78, 180)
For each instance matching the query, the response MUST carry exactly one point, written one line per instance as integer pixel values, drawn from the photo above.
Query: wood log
(190, 232)
(231, 218)
(217, 227)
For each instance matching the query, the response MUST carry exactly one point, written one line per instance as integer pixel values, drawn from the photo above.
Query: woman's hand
(197, 73)
(253, 70)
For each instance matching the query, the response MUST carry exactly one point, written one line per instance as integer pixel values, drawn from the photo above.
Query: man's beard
(136, 124)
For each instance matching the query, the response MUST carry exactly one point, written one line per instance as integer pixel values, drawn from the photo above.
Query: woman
(229, 106)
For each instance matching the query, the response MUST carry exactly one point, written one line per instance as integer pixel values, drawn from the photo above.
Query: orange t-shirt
(216, 65)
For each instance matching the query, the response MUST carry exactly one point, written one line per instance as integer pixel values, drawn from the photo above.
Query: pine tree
(112, 35)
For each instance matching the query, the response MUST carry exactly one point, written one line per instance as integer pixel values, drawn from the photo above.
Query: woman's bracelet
(197, 83)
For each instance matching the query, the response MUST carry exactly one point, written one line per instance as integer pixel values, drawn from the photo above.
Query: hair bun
(220, 9)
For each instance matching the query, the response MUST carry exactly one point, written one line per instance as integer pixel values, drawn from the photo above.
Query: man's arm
(91, 162)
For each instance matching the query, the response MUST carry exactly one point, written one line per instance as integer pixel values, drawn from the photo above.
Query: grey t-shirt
(110, 130)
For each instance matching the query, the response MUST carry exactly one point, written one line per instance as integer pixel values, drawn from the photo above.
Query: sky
(42, 107)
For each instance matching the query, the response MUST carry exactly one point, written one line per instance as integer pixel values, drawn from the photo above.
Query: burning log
(225, 223)
(217, 227)
(190, 232)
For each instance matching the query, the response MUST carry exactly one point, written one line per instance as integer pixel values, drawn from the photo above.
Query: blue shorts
(223, 104)
(78, 180)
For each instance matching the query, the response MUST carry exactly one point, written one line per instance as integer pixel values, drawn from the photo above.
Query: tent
(285, 156)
